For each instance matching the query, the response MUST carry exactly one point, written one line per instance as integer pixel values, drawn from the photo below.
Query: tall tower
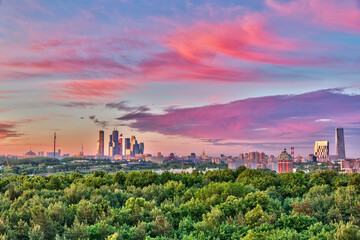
(111, 146)
(293, 153)
(127, 146)
(54, 144)
(120, 145)
(115, 139)
(142, 148)
(339, 143)
(132, 142)
(100, 152)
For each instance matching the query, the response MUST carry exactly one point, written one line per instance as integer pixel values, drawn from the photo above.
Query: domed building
(30, 154)
(285, 162)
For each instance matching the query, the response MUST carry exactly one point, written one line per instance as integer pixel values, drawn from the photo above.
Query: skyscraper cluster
(119, 145)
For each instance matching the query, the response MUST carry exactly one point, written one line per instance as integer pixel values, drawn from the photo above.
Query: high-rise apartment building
(285, 162)
(100, 151)
(321, 149)
(339, 143)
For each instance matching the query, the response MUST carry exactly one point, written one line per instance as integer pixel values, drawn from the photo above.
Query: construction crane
(9, 165)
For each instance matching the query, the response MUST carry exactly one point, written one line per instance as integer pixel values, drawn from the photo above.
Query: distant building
(115, 142)
(141, 148)
(132, 143)
(30, 154)
(321, 149)
(203, 155)
(158, 160)
(100, 151)
(339, 143)
(136, 148)
(350, 166)
(273, 163)
(120, 145)
(312, 158)
(127, 147)
(262, 161)
(111, 146)
(233, 164)
(285, 162)
(52, 154)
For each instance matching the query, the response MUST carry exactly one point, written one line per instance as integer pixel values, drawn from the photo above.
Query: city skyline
(131, 147)
(230, 77)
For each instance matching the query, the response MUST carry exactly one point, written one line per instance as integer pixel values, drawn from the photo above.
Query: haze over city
(183, 76)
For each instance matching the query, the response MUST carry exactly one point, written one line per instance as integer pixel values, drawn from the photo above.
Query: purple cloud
(265, 119)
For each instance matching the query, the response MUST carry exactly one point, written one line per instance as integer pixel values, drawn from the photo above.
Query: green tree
(77, 231)
(347, 231)
(256, 216)
(35, 233)
(161, 226)
(86, 212)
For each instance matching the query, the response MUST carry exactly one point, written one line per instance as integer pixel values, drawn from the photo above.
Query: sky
(183, 76)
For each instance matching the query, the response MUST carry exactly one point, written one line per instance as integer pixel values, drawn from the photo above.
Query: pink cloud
(175, 67)
(336, 15)
(247, 38)
(272, 118)
(66, 65)
(85, 45)
(88, 89)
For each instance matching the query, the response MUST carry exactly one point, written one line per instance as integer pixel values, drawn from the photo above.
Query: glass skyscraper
(339, 143)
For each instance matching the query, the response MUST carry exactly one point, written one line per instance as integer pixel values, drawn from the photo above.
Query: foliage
(220, 204)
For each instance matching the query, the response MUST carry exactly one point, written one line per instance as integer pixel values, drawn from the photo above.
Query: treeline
(223, 204)
(31, 161)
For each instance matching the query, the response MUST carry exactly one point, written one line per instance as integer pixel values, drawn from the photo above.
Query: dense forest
(223, 204)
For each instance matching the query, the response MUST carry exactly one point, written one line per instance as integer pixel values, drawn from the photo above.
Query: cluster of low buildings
(260, 160)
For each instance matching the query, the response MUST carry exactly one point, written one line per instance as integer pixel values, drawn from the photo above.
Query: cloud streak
(88, 89)
(343, 16)
(123, 106)
(102, 124)
(8, 130)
